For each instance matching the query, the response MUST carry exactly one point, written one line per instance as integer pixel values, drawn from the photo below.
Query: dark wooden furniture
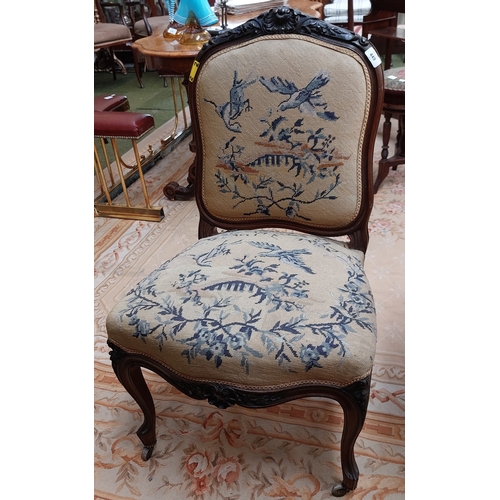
(146, 16)
(381, 24)
(110, 36)
(256, 315)
(349, 24)
(169, 55)
(394, 107)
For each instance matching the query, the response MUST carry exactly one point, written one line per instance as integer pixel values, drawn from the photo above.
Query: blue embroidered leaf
(206, 258)
(265, 244)
(280, 355)
(177, 328)
(277, 121)
(328, 115)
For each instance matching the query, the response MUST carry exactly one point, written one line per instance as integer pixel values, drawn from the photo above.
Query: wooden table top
(156, 47)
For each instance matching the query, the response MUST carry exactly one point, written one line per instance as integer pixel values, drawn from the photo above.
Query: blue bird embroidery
(230, 111)
(307, 99)
(286, 256)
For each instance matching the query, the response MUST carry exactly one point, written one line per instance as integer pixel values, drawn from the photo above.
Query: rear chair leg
(383, 167)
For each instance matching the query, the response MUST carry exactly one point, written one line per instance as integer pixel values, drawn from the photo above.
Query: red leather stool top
(122, 125)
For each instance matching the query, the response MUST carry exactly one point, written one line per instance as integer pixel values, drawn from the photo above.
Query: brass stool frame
(103, 203)
(110, 189)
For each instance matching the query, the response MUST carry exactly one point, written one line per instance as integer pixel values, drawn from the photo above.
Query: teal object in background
(201, 9)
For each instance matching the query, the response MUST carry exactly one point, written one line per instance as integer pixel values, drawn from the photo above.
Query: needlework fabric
(255, 308)
(283, 139)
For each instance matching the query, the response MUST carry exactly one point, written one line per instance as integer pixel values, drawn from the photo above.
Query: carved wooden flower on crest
(280, 19)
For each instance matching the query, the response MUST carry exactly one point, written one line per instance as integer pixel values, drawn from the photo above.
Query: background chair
(374, 19)
(273, 307)
(382, 24)
(147, 15)
(110, 36)
(389, 32)
(394, 106)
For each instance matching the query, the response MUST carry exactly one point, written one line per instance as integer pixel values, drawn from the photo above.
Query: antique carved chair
(147, 15)
(270, 304)
(110, 36)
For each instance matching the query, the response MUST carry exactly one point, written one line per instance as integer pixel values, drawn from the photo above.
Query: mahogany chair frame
(353, 398)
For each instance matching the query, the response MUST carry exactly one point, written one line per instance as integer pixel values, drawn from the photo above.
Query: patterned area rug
(290, 451)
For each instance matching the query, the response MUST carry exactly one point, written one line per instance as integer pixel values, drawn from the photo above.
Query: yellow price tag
(194, 69)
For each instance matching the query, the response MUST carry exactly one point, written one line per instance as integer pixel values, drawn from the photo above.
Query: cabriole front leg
(354, 402)
(129, 373)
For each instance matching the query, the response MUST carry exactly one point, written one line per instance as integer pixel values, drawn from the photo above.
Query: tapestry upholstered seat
(271, 303)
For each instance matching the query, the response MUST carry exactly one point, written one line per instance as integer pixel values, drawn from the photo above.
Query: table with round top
(174, 60)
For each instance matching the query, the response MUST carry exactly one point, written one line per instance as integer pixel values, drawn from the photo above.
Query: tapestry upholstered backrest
(284, 126)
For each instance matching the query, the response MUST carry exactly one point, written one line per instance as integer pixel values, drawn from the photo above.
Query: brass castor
(339, 490)
(147, 451)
